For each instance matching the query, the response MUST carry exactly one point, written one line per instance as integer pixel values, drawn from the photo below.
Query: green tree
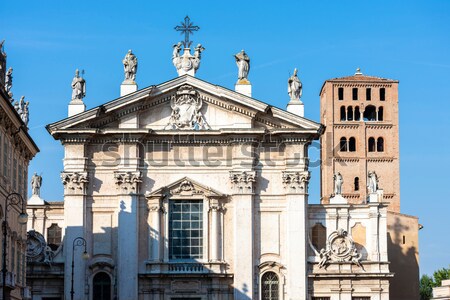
(427, 283)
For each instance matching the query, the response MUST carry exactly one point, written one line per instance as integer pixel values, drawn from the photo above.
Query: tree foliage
(427, 283)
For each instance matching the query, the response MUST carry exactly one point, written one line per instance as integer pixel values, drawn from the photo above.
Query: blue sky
(405, 40)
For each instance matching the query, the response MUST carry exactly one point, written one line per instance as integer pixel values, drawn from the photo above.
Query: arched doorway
(101, 286)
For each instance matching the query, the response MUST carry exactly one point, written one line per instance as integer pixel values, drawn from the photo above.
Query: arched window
(319, 236)
(370, 113)
(380, 144)
(352, 144)
(356, 184)
(371, 144)
(101, 286)
(380, 113)
(54, 234)
(343, 117)
(343, 144)
(349, 113)
(357, 114)
(270, 286)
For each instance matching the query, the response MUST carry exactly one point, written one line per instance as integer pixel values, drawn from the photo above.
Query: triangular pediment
(185, 187)
(156, 107)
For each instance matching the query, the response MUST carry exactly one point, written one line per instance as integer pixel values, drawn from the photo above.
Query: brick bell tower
(360, 114)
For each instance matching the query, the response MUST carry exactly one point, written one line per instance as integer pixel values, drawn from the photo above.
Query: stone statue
(8, 80)
(176, 50)
(48, 255)
(243, 64)
(130, 65)
(198, 56)
(294, 86)
(36, 182)
(372, 182)
(78, 87)
(338, 181)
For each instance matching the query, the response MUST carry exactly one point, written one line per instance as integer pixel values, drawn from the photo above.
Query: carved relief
(74, 180)
(186, 187)
(340, 248)
(186, 114)
(242, 181)
(296, 181)
(128, 181)
(37, 248)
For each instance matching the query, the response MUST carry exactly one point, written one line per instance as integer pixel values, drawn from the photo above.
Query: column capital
(296, 181)
(74, 182)
(127, 182)
(243, 181)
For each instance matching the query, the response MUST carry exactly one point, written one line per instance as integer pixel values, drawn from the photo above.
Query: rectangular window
(20, 175)
(54, 235)
(382, 94)
(320, 298)
(14, 175)
(360, 298)
(185, 229)
(341, 93)
(5, 157)
(355, 93)
(25, 182)
(368, 94)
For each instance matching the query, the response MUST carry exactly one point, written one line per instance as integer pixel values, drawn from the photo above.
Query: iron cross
(187, 28)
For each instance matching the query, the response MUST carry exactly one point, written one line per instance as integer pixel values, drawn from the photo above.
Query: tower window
(382, 94)
(380, 114)
(370, 113)
(371, 144)
(343, 144)
(357, 114)
(355, 93)
(368, 94)
(352, 144)
(380, 144)
(356, 183)
(343, 117)
(341, 93)
(349, 113)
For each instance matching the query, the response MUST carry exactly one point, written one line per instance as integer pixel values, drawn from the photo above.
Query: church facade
(188, 190)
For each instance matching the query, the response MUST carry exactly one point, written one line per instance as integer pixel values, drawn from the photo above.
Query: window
(5, 157)
(352, 144)
(14, 174)
(370, 113)
(101, 286)
(382, 94)
(360, 298)
(20, 179)
(350, 113)
(343, 144)
(371, 144)
(341, 93)
(380, 144)
(319, 236)
(380, 114)
(356, 184)
(54, 236)
(185, 229)
(355, 93)
(269, 286)
(343, 118)
(368, 94)
(357, 114)
(321, 298)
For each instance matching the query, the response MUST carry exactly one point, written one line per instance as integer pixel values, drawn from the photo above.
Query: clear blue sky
(405, 40)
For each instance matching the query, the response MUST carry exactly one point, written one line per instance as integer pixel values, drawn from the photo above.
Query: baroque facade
(17, 148)
(188, 190)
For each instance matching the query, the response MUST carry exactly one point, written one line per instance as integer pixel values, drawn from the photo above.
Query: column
(296, 187)
(216, 231)
(374, 216)
(127, 184)
(154, 221)
(242, 183)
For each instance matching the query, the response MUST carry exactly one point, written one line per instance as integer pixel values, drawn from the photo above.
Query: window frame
(262, 274)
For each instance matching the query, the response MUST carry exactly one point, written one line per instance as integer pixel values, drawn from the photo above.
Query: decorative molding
(128, 181)
(340, 248)
(243, 181)
(295, 181)
(74, 180)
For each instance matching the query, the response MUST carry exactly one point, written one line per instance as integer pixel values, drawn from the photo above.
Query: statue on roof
(243, 64)
(36, 182)
(130, 65)
(372, 182)
(8, 80)
(294, 86)
(78, 87)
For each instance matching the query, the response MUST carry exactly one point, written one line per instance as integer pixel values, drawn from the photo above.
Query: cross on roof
(187, 28)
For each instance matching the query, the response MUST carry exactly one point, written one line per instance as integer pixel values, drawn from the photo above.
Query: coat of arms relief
(186, 107)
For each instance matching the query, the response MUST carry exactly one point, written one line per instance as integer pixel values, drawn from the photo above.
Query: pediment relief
(184, 187)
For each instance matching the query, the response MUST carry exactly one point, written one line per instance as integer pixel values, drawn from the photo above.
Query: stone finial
(358, 71)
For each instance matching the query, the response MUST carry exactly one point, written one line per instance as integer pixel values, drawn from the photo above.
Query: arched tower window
(380, 113)
(270, 286)
(370, 113)
(356, 184)
(352, 144)
(101, 286)
(343, 144)
(54, 234)
(371, 144)
(357, 114)
(349, 113)
(343, 117)
(380, 144)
